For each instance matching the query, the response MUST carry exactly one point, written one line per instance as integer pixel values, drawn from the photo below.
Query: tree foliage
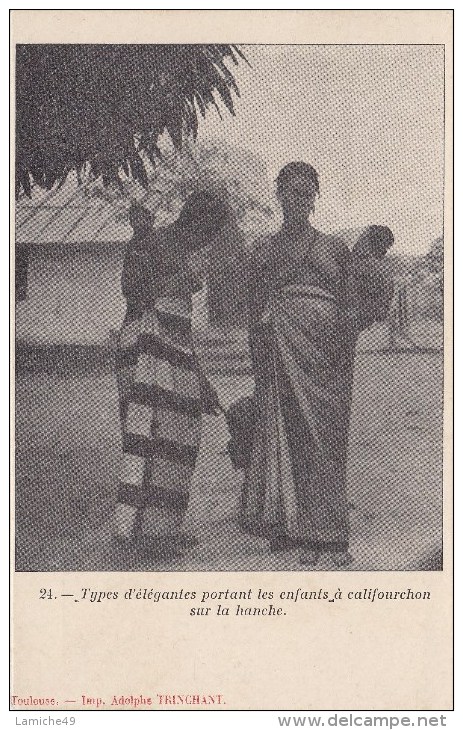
(214, 165)
(99, 109)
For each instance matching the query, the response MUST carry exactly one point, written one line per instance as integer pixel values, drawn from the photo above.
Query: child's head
(375, 241)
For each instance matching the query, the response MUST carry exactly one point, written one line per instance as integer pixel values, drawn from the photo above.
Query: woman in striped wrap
(160, 383)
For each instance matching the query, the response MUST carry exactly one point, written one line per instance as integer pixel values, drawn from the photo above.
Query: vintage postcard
(232, 317)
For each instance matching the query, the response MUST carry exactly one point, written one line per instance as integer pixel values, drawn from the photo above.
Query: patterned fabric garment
(302, 351)
(159, 391)
(296, 482)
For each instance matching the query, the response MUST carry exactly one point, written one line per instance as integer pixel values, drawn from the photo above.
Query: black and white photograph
(229, 315)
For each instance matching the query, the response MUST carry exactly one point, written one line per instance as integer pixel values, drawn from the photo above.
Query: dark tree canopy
(95, 108)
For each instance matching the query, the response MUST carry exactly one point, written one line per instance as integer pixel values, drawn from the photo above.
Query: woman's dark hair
(378, 239)
(204, 213)
(299, 169)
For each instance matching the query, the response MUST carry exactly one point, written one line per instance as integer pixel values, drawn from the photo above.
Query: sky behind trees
(369, 118)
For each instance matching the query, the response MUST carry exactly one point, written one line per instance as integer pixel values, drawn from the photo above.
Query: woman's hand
(198, 265)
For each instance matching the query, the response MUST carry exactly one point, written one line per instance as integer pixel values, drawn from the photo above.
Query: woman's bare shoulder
(335, 244)
(262, 248)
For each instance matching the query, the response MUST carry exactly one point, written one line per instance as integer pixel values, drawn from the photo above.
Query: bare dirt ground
(68, 452)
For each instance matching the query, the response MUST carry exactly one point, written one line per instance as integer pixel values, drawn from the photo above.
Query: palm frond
(99, 108)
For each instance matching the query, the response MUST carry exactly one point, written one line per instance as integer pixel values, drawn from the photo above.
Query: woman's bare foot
(166, 547)
(309, 557)
(340, 560)
(159, 548)
(186, 541)
(280, 543)
(122, 540)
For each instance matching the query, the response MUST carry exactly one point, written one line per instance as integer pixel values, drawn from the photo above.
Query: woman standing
(137, 260)
(302, 352)
(161, 386)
